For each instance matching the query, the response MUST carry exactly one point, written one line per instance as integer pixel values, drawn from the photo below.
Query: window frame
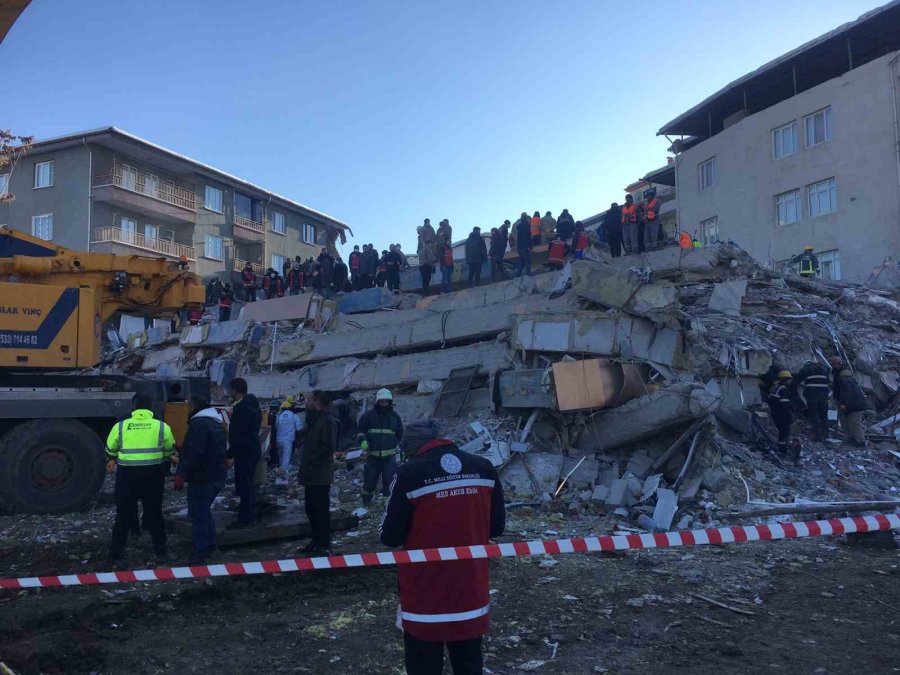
(206, 189)
(278, 266)
(275, 215)
(827, 126)
(832, 189)
(799, 209)
(50, 174)
(206, 254)
(155, 228)
(795, 139)
(712, 162)
(42, 215)
(831, 257)
(703, 225)
(4, 184)
(307, 227)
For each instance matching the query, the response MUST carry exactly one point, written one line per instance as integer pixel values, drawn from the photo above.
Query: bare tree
(12, 149)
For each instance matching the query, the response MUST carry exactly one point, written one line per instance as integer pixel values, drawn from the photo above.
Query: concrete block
(216, 334)
(481, 296)
(608, 476)
(617, 492)
(543, 467)
(713, 479)
(155, 358)
(727, 297)
(690, 489)
(368, 300)
(623, 289)
(600, 495)
(303, 307)
(666, 508)
(639, 464)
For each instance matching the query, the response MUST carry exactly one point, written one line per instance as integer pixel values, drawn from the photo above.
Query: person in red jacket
(273, 285)
(442, 496)
(226, 300)
(294, 280)
(248, 280)
(354, 261)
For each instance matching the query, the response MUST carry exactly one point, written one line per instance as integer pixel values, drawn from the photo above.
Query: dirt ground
(811, 606)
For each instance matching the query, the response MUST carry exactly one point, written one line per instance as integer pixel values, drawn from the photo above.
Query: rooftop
(871, 36)
(117, 139)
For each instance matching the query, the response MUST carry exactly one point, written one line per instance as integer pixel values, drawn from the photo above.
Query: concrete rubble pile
(627, 387)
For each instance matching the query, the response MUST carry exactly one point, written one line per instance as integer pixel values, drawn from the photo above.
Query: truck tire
(50, 466)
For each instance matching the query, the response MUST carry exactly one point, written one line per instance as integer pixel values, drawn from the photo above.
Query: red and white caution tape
(722, 535)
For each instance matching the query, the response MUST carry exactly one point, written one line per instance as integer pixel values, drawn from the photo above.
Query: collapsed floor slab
(480, 296)
(625, 290)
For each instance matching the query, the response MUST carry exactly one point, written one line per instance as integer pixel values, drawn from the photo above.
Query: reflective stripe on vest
(629, 213)
(445, 618)
(381, 453)
(816, 381)
(806, 266)
(652, 208)
(141, 456)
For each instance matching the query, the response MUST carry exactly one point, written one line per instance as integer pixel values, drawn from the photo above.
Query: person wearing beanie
(442, 496)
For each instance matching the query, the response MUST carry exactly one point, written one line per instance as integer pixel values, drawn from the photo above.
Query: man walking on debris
(523, 245)
(443, 497)
(630, 218)
(779, 400)
(808, 261)
(612, 223)
(317, 472)
(244, 448)
(380, 433)
(203, 468)
(853, 404)
(476, 256)
(136, 449)
(813, 378)
(287, 425)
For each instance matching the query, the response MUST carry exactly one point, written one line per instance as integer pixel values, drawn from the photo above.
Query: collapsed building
(626, 386)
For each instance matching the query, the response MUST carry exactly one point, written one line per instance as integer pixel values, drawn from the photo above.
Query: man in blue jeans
(203, 468)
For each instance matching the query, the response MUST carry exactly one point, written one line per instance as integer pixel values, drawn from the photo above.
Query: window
(309, 233)
(42, 226)
(43, 174)
(129, 228)
(709, 230)
(4, 183)
(214, 199)
(707, 174)
(822, 198)
(784, 140)
(278, 222)
(151, 231)
(129, 177)
(278, 263)
(787, 207)
(212, 246)
(818, 127)
(830, 264)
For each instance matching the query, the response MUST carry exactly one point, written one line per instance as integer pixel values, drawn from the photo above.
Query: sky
(382, 113)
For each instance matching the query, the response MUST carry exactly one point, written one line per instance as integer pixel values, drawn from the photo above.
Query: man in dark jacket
(244, 448)
(497, 250)
(213, 290)
(249, 283)
(523, 245)
(781, 407)
(354, 267)
(202, 467)
(294, 279)
(326, 270)
(226, 300)
(565, 226)
(339, 280)
(443, 497)
(853, 404)
(368, 266)
(393, 261)
(317, 471)
(476, 255)
(813, 378)
(380, 433)
(612, 225)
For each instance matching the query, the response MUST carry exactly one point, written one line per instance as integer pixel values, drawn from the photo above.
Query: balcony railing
(254, 225)
(239, 265)
(148, 185)
(164, 246)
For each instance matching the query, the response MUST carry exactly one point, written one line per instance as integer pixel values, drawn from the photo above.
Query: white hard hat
(384, 395)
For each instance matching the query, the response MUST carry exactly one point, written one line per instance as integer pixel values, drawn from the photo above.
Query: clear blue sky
(384, 113)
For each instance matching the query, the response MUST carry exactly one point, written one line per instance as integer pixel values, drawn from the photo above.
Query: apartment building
(110, 191)
(803, 151)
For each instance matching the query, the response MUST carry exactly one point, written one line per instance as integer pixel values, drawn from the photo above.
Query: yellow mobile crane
(54, 303)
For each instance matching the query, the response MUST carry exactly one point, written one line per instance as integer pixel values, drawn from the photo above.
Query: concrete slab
(666, 508)
(303, 307)
(692, 264)
(369, 300)
(544, 467)
(623, 289)
(217, 334)
(153, 359)
(480, 296)
(617, 492)
(727, 297)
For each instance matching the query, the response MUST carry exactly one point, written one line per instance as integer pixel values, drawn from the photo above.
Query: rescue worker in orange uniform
(651, 220)
(631, 216)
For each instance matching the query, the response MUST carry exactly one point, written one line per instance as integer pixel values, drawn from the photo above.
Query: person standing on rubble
(354, 267)
(548, 227)
(393, 261)
(203, 468)
(476, 256)
(813, 378)
(631, 217)
(781, 407)
(565, 226)
(443, 497)
(248, 281)
(852, 403)
(226, 300)
(808, 261)
(367, 267)
(339, 280)
(136, 449)
(523, 245)
(536, 229)
(497, 251)
(244, 448)
(650, 215)
(380, 433)
(444, 237)
(425, 251)
(317, 472)
(294, 280)
(273, 285)
(446, 260)
(287, 425)
(612, 224)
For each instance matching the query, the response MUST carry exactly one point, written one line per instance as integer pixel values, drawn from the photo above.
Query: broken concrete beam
(692, 264)
(526, 389)
(222, 334)
(435, 329)
(301, 307)
(153, 359)
(367, 300)
(647, 416)
(355, 374)
(625, 290)
(599, 333)
(480, 296)
(356, 322)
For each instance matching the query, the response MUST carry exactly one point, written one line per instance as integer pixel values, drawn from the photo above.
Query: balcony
(115, 235)
(238, 265)
(249, 230)
(145, 193)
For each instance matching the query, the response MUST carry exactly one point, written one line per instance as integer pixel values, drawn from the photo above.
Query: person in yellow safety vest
(381, 431)
(809, 262)
(137, 448)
